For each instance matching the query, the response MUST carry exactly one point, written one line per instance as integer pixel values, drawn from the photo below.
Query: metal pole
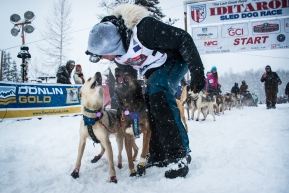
(186, 29)
(22, 66)
(1, 65)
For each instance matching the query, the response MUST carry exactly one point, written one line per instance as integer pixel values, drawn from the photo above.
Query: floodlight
(15, 18)
(28, 15)
(15, 31)
(28, 28)
(23, 54)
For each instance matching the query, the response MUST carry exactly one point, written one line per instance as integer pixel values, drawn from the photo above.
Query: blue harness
(89, 122)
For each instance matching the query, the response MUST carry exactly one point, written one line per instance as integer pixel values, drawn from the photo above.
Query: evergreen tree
(151, 5)
(10, 72)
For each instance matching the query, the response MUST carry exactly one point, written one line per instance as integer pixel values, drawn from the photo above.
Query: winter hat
(268, 67)
(78, 65)
(104, 39)
(214, 68)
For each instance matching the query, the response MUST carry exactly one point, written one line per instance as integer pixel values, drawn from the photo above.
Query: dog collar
(92, 111)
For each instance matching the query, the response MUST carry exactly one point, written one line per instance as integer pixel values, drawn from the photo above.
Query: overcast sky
(84, 16)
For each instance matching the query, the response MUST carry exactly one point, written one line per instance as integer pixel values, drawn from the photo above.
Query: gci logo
(235, 31)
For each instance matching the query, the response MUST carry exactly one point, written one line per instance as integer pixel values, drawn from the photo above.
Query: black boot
(273, 106)
(177, 168)
(268, 105)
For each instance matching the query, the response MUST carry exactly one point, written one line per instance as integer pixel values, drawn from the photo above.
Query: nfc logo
(211, 43)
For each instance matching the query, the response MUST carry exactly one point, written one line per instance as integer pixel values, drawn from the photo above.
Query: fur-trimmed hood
(131, 14)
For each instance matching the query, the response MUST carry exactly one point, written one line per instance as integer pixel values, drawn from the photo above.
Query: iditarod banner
(236, 10)
(26, 100)
(240, 26)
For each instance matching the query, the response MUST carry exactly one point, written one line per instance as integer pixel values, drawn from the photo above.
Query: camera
(94, 58)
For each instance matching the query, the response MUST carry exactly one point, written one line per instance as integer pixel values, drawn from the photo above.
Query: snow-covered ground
(242, 151)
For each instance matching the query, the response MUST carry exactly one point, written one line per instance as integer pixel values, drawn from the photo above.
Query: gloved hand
(198, 84)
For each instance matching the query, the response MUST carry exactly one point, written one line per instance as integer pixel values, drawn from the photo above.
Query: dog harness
(89, 122)
(140, 57)
(134, 116)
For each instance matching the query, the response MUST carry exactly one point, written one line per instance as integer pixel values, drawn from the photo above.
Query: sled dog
(98, 125)
(134, 116)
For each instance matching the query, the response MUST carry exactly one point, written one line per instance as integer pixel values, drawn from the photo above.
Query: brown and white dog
(181, 107)
(228, 99)
(98, 125)
(219, 106)
(134, 116)
(201, 103)
(190, 103)
(238, 101)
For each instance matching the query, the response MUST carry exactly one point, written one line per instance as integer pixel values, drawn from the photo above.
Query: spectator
(287, 91)
(272, 81)
(78, 75)
(235, 89)
(180, 87)
(243, 88)
(64, 72)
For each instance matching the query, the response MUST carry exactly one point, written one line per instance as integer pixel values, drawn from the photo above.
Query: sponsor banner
(236, 10)
(238, 37)
(37, 100)
(25, 100)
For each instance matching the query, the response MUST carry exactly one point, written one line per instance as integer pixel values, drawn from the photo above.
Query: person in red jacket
(212, 83)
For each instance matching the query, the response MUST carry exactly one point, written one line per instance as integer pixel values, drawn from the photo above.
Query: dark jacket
(63, 73)
(235, 89)
(271, 80)
(243, 88)
(287, 89)
(159, 36)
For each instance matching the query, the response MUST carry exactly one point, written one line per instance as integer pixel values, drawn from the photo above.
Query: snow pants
(169, 138)
(271, 95)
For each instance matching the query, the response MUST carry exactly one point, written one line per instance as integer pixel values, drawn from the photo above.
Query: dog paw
(119, 166)
(95, 159)
(113, 179)
(141, 170)
(75, 173)
(132, 173)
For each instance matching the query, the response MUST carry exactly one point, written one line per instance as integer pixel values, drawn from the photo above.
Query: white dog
(201, 103)
(98, 125)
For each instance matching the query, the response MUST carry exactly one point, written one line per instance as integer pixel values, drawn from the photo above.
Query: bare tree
(57, 34)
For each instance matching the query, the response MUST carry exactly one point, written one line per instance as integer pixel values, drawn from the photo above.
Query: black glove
(198, 84)
(80, 75)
